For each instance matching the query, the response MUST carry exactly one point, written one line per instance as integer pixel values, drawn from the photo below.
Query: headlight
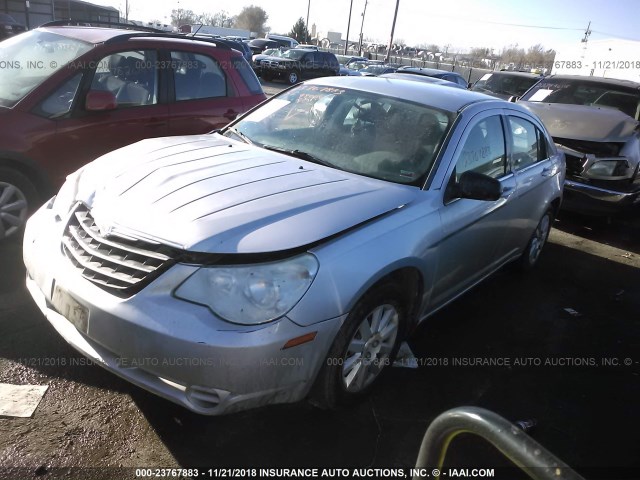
(66, 197)
(251, 294)
(609, 169)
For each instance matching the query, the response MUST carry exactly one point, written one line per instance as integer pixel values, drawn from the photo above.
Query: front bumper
(585, 198)
(175, 349)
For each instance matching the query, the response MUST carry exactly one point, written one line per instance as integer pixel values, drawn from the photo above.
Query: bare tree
(180, 16)
(222, 19)
(252, 18)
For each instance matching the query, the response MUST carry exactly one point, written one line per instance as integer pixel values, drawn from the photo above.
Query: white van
(283, 41)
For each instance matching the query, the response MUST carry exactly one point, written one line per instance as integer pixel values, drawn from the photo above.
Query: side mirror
(478, 186)
(513, 98)
(100, 101)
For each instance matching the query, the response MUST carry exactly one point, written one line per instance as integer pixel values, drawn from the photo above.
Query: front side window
(365, 133)
(59, 103)
(132, 76)
(529, 145)
(483, 150)
(197, 76)
(27, 60)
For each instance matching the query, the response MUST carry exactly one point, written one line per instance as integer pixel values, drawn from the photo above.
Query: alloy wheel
(370, 347)
(13, 209)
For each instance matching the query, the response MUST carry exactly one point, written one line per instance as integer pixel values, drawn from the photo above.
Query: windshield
(586, 92)
(382, 137)
(504, 84)
(29, 59)
(294, 54)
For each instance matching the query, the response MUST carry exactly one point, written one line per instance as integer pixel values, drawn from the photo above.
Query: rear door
(204, 97)
(534, 162)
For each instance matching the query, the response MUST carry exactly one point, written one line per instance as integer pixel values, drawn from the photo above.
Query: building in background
(33, 13)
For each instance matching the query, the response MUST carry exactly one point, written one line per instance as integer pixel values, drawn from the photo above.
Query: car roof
(429, 71)
(97, 35)
(90, 34)
(511, 73)
(611, 81)
(450, 99)
(421, 78)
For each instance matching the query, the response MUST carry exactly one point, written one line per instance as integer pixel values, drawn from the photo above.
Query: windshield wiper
(239, 134)
(298, 154)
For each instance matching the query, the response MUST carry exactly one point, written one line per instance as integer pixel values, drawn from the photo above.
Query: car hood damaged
(580, 122)
(208, 193)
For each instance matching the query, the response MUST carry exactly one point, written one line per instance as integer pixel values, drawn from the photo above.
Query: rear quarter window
(248, 75)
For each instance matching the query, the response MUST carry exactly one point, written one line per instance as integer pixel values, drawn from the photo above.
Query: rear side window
(248, 75)
(197, 76)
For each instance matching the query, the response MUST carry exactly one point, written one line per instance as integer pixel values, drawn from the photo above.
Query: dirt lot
(586, 411)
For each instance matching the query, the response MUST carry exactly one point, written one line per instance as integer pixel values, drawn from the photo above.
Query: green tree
(300, 31)
(252, 18)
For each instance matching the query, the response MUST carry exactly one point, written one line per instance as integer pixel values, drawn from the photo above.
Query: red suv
(71, 94)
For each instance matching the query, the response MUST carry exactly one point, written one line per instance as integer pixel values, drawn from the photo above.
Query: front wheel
(18, 197)
(366, 344)
(293, 77)
(531, 254)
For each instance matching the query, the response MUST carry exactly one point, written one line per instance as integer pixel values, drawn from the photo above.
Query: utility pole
(362, 26)
(346, 43)
(587, 33)
(307, 24)
(393, 28)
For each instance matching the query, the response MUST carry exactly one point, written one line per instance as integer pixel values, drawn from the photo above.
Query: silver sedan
(289, 254)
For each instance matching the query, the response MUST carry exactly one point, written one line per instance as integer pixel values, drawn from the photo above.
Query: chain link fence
(471, 74)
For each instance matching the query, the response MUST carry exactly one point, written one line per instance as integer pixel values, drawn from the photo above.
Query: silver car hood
(208, 193)
(582, 122)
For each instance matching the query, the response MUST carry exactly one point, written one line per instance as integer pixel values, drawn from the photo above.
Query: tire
(293, 77)
(531, 254)
(18, 198)
(345, 376)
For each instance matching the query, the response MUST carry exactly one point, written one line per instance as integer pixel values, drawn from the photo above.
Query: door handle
(507, 191)
(230, 114)
(548, 171)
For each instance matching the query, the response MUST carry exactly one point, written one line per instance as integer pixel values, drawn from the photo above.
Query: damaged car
(288, 254)
(594, 121)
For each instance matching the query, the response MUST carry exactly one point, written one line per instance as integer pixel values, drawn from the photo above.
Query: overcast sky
(460, 23)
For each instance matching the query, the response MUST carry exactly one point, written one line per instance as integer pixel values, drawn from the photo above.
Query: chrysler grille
(119, 264)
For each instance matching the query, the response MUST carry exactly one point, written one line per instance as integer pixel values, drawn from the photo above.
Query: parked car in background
(283, 40)
(345, 71)
(71, 94)
(291, 253)
(375, 70)
(505, 84)
(9, 26)
(296, 64)
(436, 73)
(595, 122)
(421, 78)
(242, 47)
(259, 45)
(256, 61)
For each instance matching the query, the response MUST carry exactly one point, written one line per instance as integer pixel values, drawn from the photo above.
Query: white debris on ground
(20, 400)
(405, 357)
